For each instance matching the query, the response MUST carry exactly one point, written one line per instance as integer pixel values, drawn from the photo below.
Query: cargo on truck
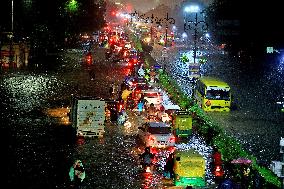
(88, 116)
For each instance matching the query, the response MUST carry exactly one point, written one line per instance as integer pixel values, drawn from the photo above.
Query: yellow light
(147, 39)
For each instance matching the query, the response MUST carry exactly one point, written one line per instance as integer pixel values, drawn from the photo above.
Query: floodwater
(256, 85)
(256, 120)
(37, 151)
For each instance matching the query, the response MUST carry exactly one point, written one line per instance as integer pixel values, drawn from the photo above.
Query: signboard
(164, 53)
(269, 50)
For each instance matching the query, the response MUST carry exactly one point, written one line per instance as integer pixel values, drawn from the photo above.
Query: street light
(188, 24)
(166, 21)
(11, 57)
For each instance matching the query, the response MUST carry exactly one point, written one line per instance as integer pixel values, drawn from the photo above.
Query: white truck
(88, 116)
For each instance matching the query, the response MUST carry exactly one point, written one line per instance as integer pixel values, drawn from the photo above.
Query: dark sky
(264, 19)
(261, 19)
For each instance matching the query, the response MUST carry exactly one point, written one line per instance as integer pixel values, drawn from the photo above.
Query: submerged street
(39, 150)
(107, 50)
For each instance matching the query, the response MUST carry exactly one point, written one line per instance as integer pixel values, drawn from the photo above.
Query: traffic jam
(169, 153)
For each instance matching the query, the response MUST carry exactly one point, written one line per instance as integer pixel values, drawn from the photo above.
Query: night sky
(259, 20)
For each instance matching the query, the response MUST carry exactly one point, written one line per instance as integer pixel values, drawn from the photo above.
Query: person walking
(112, 90)
(141, 104)
(169, 167)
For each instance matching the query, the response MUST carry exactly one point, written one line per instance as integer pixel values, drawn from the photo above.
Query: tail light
(177, 177)
(218, 172)
(148, 169)
(151, 138)
(171, 149)
(172, 139)
(89, 59)
(120, 107)
(153, 150)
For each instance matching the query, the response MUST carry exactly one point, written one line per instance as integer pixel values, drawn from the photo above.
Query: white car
(156, 135)
(152, 96)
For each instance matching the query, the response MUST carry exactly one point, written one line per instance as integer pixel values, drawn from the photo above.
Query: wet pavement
(38, 151)
(38, 143)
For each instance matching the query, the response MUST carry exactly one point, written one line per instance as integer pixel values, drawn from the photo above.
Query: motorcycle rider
(152, 111)
(147, 157)
(122, 118)
(77, 174)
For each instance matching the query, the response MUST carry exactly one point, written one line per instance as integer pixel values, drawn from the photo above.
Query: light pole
(188, 24)
(160, 22)
(11, 57)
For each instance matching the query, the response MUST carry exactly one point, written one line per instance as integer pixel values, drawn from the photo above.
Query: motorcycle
(122, 118)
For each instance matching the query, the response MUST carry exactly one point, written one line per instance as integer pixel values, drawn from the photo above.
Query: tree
(48, 23)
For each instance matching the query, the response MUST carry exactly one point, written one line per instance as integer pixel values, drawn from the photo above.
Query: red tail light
(120, 107)
(151, 138)
(153, 150)
(172, 139)
(171, 149)
(218, 172)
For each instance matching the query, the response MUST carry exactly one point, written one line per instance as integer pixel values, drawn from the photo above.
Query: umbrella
(241, 161)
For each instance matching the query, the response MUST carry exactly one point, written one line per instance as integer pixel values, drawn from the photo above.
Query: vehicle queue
(164, 124)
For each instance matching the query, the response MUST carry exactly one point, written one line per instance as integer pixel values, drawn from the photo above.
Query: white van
(153, 96)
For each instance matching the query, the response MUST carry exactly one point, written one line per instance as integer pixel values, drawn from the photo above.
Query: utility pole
(166, 40)
(11, 58)
(189, 25)
(195, 39)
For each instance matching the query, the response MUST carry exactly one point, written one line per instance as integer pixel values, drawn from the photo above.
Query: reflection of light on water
(152, 180)
(127, 128)
(27, 91)
(127, 124)
(280, 66)
(60, 113)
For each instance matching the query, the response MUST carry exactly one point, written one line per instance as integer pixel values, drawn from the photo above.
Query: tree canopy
(50, 22)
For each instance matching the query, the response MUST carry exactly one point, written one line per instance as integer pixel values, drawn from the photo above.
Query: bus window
(217, 94)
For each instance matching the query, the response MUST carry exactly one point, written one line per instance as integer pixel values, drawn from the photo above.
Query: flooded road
(255, 120)
(38, 151)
